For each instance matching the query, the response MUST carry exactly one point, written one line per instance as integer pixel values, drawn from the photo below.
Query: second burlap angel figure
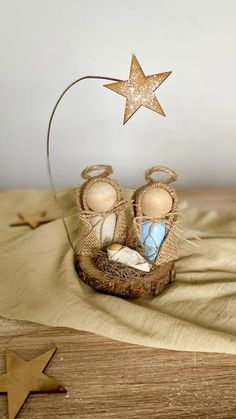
(127, 248)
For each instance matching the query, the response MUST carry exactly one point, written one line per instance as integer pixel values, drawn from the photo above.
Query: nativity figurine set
(126, 248)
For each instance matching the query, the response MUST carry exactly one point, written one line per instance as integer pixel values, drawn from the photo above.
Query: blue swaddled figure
(152, 237)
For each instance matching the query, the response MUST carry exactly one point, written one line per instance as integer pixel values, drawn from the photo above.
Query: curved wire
(48, 150)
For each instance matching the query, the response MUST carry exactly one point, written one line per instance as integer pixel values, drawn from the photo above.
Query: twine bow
(87, 215)
(140, 220)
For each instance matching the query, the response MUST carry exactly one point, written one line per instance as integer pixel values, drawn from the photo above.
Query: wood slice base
(150, 284)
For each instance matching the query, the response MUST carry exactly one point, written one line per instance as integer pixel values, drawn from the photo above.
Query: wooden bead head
(101, 196)
(100, 192)
(156, 203)
(156, 199)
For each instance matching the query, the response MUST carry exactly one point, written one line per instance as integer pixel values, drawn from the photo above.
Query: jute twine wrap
(88, 243)
(169, 248)
(161, 169)
(104, 170)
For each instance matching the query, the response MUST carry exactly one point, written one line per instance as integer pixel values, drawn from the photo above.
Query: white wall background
(46, 44)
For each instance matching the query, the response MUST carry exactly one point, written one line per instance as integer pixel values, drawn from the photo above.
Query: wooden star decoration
(139, 90)
(23, 378)
(32, 220)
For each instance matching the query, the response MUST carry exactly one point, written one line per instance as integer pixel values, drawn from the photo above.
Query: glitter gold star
(139, 90)
(24, 377)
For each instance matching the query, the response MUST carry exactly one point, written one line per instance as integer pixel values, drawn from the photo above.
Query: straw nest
(114, 278)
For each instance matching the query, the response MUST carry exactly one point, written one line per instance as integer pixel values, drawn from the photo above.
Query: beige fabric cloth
(38, 282)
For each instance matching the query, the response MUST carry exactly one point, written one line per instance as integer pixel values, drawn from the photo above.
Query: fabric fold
(38, 282)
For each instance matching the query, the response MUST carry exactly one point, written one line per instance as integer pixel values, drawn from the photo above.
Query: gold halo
(104, 171)
(171, 178)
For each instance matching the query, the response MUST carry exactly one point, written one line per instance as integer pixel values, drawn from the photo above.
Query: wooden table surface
(110, 379)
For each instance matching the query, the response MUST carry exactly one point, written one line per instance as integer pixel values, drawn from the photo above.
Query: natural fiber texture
(104, 170)
(115, 268)
(38, 281)
(88, 243)
(172, 175)
(169, 248)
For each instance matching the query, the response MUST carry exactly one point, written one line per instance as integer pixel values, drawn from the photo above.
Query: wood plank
(109, 379)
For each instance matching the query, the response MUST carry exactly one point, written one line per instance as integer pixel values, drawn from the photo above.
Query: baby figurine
(155, 212)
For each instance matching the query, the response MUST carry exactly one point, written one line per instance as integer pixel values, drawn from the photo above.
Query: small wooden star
(23, 378)
(32, 220)
(139, 90)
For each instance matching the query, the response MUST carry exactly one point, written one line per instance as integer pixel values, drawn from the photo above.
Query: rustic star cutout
(23, 378)
(139, 90)
(32, 220)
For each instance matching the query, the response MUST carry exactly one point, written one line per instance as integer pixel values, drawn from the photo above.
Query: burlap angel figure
(155, 213)
(102, 218)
